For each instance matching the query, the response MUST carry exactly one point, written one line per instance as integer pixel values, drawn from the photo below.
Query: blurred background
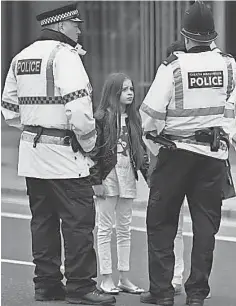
(129, 36)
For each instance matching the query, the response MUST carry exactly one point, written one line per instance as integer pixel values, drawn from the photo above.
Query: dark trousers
(179, 173)
(71, 201)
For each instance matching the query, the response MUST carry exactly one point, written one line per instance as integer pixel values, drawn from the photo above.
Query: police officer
(47, 93)
(187, 104)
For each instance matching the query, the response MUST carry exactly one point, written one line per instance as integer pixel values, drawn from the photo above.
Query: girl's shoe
(113, 291)
(132, 290)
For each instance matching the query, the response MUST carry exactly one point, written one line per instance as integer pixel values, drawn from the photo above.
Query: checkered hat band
(75, 95)
(60, 17)
(41, 100)
(10, 106)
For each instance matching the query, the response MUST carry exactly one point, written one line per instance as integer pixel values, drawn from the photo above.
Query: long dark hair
(110, 105)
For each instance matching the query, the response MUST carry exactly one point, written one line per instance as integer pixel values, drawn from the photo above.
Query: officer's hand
(99, 191)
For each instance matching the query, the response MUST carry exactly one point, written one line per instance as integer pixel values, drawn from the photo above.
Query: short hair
(177, 45)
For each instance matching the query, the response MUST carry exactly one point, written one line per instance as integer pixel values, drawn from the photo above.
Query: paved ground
(17, 269)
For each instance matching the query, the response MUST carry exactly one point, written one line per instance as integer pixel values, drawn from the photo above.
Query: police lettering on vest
(29, 66)
(206, 79)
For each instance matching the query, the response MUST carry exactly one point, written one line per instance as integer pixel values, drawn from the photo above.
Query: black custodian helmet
(199, 23)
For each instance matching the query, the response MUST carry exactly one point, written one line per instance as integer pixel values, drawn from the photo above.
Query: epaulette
(63, 44)
(226, 54)
(68, 47)
(170, 59)
(73, 50)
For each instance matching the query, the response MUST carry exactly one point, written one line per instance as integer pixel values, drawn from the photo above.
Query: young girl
(118, 155)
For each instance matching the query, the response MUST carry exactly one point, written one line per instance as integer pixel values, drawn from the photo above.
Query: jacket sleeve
(97, 156)
(232, 125)
(230, 108)
(154, 107)
(10, 106)
(73, 83)
(145, 165)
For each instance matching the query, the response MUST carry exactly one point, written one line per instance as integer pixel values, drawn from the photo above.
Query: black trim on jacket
(105, 160)
(198, 49)
(48, 34)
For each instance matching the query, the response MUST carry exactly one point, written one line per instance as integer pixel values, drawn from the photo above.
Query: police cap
(67, 12)
(199, 23)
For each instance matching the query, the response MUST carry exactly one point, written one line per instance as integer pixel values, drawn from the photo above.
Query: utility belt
(58, 136)
(209, 136)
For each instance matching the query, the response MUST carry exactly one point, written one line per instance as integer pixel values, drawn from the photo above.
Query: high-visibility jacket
(48, 86)
(191, 92)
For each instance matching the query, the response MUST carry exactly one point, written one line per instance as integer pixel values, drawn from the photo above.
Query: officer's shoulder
(226, 54)
(73, 50)
(170, 59)
(67, 48)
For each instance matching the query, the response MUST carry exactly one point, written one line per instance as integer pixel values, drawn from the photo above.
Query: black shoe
(194, 302)
(52, 293)
(149, 298)
(92, 298)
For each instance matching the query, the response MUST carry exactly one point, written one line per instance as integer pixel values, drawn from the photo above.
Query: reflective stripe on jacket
(48, 86)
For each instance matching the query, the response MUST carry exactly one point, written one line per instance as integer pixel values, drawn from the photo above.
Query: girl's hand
(99, 191)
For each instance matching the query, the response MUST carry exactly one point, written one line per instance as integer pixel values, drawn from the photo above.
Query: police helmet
(199, 23)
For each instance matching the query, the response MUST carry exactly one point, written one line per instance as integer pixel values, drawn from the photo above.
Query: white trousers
(179, 251)
(108, 210)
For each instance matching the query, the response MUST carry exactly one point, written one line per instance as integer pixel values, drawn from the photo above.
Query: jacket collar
(199, 49)
(48, 34)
